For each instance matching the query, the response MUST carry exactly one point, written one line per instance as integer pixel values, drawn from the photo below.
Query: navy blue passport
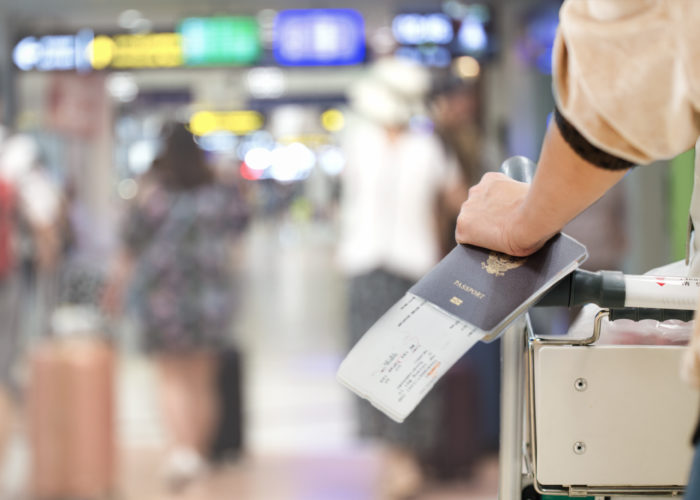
(488, 289)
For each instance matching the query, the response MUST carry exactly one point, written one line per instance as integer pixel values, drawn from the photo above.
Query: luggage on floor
(467, 427)
(71, 419)
(227, 442)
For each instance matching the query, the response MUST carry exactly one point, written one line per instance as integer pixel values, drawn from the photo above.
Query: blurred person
(389, 238)
(30, 207)
(627, 91)
(8, 309)
(89, 242)
(40, 206)
(176, 241)
(469, 391)
(454, 111)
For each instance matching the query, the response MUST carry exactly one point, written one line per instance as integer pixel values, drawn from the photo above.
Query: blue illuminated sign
(54, 52)
(417, 29)
(434, 38)
(319, 37)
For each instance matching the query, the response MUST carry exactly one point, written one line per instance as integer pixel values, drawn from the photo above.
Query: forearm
(564, 185)
(516, 218)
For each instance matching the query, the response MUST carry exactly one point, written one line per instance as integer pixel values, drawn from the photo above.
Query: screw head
(579, 447)
(581, 384)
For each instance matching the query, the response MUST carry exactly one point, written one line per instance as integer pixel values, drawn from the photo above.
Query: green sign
(214, 41)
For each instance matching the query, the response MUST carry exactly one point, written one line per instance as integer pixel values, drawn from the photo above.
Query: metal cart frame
(518, 451)
(517, 456)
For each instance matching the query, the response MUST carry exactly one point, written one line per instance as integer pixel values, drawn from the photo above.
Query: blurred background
(127, 323)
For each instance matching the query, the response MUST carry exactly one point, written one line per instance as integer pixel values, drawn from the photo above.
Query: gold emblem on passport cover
(498, 263)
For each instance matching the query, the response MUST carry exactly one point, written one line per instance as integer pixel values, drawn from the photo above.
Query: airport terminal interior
(273, 96)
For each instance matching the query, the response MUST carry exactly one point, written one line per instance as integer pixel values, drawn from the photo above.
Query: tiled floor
(299, 425)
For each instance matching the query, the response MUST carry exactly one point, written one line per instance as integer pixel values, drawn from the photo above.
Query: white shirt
(389, 201)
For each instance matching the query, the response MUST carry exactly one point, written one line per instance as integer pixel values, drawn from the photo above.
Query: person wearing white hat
(391, 183)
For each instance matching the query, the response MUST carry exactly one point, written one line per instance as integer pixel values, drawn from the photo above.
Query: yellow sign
(237, 122)
(154, 50)
(310, 140)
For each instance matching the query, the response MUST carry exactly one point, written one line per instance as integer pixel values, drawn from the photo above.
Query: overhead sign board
(54, 52)
(434, 38)
(416, 29)
(319, 37)
(220, 40)
(237, 122)
(153, 50)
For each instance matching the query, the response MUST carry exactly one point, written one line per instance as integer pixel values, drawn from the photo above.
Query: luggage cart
(607, 420)
(583, 419)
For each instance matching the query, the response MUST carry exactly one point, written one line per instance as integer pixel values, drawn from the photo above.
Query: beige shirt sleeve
(627, 75)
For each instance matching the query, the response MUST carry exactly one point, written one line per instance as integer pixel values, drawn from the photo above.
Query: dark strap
(585, 149)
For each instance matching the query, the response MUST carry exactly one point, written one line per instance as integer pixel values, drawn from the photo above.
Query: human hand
(491, 217)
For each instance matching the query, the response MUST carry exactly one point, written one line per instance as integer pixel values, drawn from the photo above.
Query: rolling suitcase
(467, 429)
(71, 419)
(227, 442)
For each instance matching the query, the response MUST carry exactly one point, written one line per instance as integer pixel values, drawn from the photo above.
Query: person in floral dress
(176, 254)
